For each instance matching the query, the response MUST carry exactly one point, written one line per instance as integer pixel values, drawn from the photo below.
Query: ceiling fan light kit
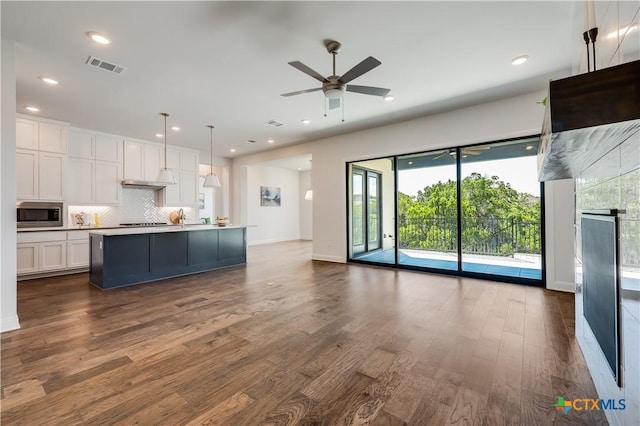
(335, 86)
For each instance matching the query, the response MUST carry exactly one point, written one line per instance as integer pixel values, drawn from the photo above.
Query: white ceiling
(225, 63)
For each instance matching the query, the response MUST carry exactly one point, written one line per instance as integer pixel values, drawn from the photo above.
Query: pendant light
(166, 175)
(211, 181)
(309, 194)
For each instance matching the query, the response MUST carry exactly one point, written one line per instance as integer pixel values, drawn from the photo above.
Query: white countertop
(160, 229)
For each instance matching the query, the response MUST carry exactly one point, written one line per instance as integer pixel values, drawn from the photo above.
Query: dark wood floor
(285, 340)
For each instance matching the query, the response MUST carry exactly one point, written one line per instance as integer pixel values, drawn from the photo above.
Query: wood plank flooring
(284, 341)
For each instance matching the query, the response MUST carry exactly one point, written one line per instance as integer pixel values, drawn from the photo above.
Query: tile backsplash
(138, 205)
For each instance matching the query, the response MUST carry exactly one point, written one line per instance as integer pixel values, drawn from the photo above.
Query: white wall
(559, 208)
(306, 207)
(272, 224)
(513, 117)
(8, 285)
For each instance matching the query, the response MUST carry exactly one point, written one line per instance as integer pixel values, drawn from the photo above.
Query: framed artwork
(270, 196)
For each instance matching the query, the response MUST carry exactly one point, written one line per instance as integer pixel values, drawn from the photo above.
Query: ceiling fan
(472, 150)
(334, 86)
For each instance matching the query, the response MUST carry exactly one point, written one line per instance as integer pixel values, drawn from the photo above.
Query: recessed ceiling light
(306, 121)
(529, 147)
(270, 141)
(232, 150)
(388, 98)
(299, 168)
(175, 128)
(519, 60)
(622, 31)
(99, 38)
(32, 108)
(159, 135)
(49, 80)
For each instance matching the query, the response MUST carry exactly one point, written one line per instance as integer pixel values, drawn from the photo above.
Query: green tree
(496, 219)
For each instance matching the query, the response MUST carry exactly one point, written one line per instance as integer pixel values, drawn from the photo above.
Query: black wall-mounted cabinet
(123, 260)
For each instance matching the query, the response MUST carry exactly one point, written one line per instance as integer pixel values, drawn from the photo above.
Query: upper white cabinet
(133, 160)
(107, 180)
(52, 138)
(81, 144)
(153, 161)
(26, 134)
(108, 148)
(26, 174)
(189, 161)
(41, 136)
(94, 168)
(40, 160)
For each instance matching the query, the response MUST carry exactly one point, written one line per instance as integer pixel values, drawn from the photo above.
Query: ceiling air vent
(275, 123)
(107, 66)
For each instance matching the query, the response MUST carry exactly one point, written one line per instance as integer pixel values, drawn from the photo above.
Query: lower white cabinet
(53, 256)
(77, 249)
(53, 251)
(78, 254)
(27, 258)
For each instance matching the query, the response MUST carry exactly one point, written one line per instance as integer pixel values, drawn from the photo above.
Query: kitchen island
(123, 257)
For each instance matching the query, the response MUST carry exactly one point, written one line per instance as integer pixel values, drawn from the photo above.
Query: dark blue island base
(121, 258)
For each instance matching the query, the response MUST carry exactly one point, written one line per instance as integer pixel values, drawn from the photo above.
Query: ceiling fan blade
(334, 103)
(365, 66)
(368, 90)
(305, 69)
(299, 92)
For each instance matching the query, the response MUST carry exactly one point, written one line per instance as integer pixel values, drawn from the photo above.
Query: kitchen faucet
(181, 216)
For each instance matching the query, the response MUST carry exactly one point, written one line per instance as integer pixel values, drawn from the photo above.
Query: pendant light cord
(165, 115)
(210, 126)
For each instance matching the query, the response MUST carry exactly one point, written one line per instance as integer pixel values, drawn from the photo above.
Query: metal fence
(487, 236)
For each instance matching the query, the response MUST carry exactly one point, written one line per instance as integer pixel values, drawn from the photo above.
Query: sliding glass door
(471, 211)
(501, 214)
(427, 210)
(371, 224)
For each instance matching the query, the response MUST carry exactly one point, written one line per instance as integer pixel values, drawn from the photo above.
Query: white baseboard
(271, 240)
(9, 323)
(306, 237)
(335, 259)
(562, 286)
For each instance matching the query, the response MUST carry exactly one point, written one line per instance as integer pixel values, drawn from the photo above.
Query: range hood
(156, 186)
(587, 116)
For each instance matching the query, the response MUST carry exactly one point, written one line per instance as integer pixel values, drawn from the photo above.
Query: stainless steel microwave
(32, 214)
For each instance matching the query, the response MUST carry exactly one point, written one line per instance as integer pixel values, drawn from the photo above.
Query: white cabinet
(173, 158)
(108, 148)
(189, 161)
(172, 194)
(41, 252)
(80, 178)
(133, 160)
(189, 188)
(53, 256)
(94, 168)
(107, 183)
(51, 175)
(80, 144)
(39, 175)
(52, 138)
(27, 258)
(40, 160)
(26, 134)
(77, 249)
(42, 136)
(153, 161)
(26, 174)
